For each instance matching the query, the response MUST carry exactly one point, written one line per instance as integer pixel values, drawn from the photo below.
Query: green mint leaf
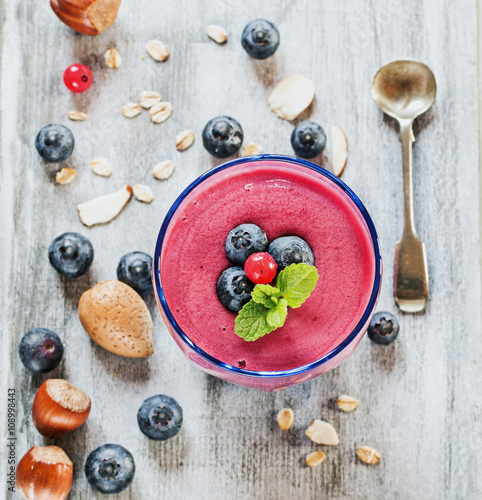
(251, 323)
(296, 283)
(277, 315)
(264, 294)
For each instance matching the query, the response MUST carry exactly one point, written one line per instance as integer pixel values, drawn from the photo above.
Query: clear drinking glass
(268, 380)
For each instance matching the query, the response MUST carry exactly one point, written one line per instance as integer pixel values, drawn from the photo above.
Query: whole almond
(115, 317)
(160, 112)
(157, 50)
(368, 455)
(285, 418)
(163, 170)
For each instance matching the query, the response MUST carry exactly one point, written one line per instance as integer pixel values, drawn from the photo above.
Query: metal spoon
(404, 90)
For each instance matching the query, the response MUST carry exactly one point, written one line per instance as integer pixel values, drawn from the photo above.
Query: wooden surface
(420, 398)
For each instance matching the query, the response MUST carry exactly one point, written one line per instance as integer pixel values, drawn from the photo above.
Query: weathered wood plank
(419, 398)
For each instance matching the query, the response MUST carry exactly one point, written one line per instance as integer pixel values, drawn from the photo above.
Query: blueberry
(71, 254)
(243, 241)
(289, 250)
(308, 139)
(55, 143)
(135, 270)
(40, 350)
(234, 288)
(160, 417)
(383, 328)
(110, 469)
(222, 136)
(260, 39)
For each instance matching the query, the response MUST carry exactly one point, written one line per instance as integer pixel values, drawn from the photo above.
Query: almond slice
(104, 208)
(112, 58)
(216, 33)
(347, 403)
(184, 140)
(322, 432)
(291, 96)
(149, 98)
(157, 50)
(66, 175)
(368, 455)
(251, 150)
(131, 109)
(160, 112)
(101, 166)
(163, 170)
(339, 146)
(285, 418)
(77, 116)
(315, 458)
(143, 193)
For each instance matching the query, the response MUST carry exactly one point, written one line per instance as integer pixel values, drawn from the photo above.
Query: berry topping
(260, 39)
(243, 241)
(71, 254)
(233, 288)
(289, 250)
(160, 417)
(54, 143)
(260, 268)
(78, 77)
(135, 270)
(40, 350)
(222, 136)
(308, 139)
(383, 328)
(110, 469)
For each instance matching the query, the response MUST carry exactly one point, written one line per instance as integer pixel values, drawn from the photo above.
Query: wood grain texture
(420, 398)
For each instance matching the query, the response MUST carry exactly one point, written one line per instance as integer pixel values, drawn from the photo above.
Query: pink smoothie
(283, 202)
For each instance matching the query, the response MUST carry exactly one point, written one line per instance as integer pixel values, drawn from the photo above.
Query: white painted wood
(420, 399)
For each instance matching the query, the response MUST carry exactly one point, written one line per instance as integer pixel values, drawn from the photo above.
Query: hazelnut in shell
(44, 473)
(115, 317)
(59, 407)
(90, 17)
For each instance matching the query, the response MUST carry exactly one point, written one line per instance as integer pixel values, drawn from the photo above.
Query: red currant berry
(260, 268)
(78, 77)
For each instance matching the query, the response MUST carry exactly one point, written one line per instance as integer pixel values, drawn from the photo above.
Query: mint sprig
(268, 307)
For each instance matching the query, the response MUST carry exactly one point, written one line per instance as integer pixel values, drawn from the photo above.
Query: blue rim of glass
(293, 371)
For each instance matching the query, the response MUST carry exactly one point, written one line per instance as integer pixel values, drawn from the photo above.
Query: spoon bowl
(404, 89)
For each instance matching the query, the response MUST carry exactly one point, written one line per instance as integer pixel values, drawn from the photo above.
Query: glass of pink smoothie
(284, 196)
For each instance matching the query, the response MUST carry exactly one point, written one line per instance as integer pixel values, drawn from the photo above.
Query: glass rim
(337, 349)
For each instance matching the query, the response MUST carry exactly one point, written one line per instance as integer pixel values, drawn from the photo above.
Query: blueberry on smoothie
(308, 139)
(260, 39)
(243, 241)
(71, 254)
(222, 136)
(54, 143)
(383, 329)
(289, 250)
(160, 417)
(110, 469)
(234, 288)
(40, 350)
(135, 270)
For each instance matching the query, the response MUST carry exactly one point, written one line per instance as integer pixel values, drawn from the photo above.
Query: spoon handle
(411, 270)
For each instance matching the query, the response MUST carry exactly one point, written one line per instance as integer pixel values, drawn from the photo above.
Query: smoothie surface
(282, 200)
